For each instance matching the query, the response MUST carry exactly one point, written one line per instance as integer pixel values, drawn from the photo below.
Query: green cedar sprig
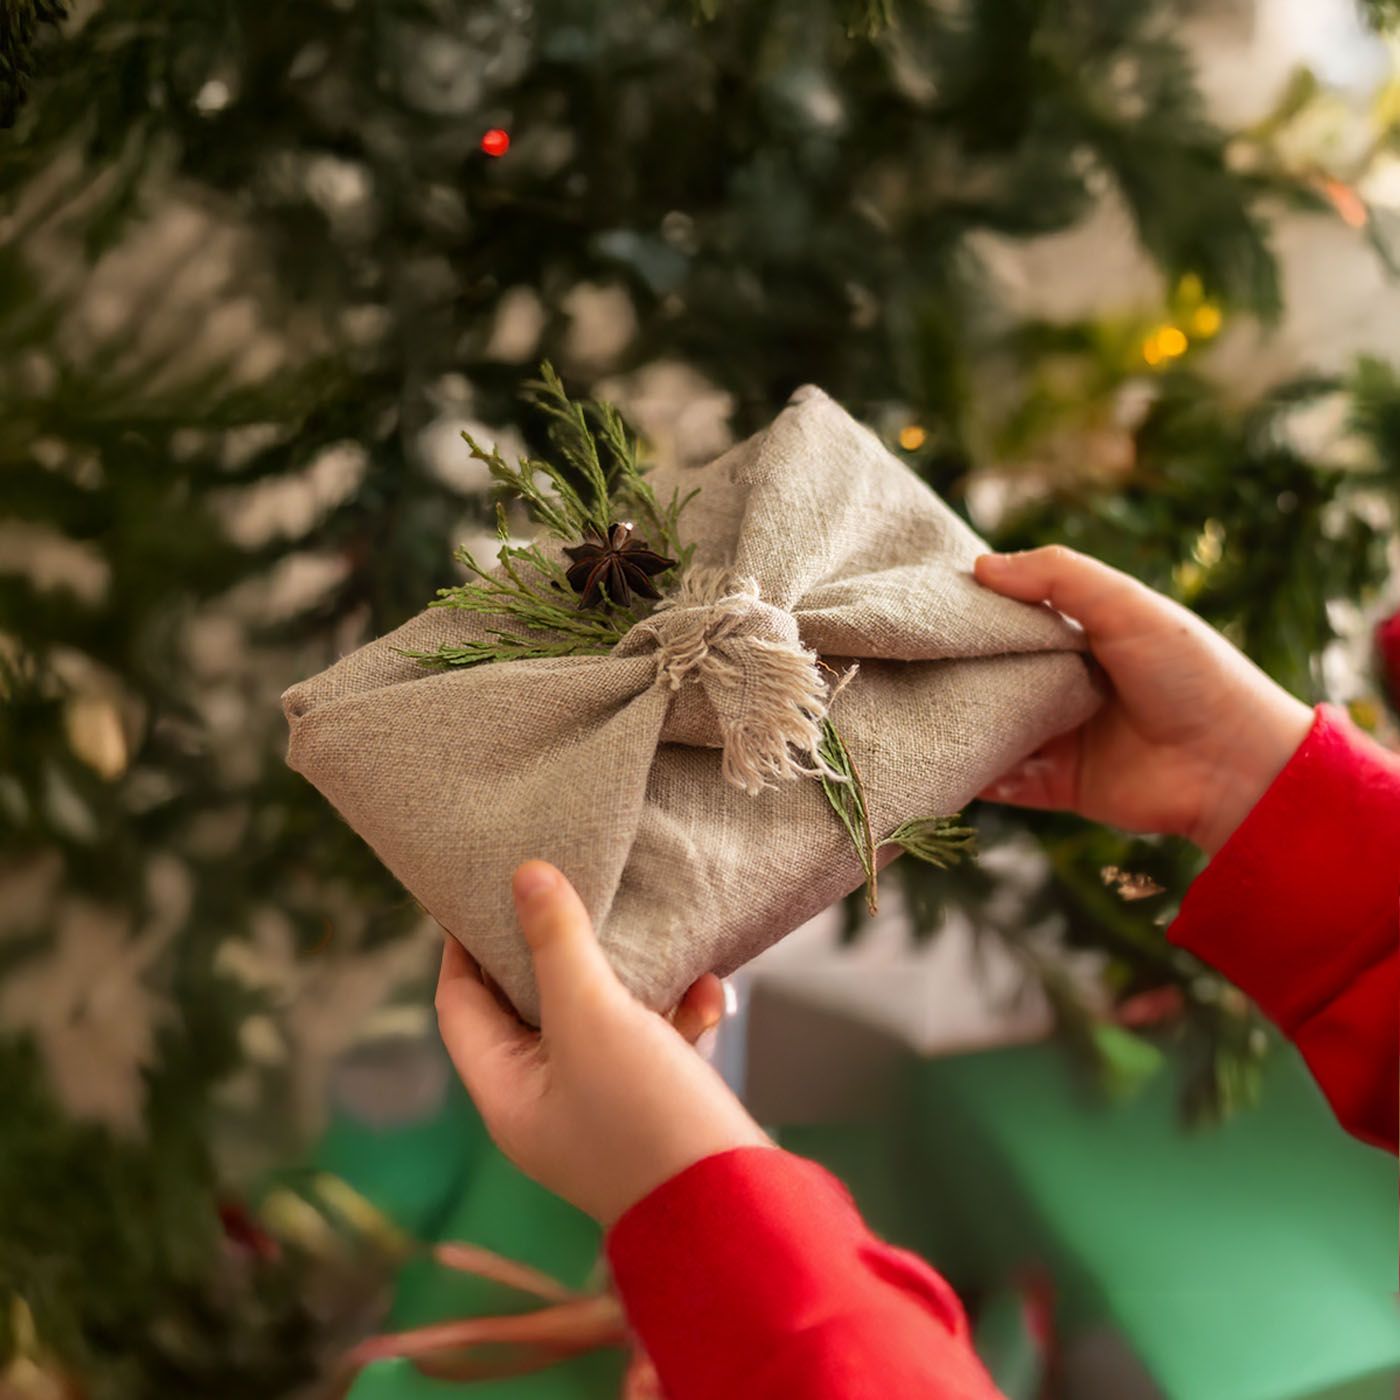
(940, 841)
(847, 798)
(598, 480)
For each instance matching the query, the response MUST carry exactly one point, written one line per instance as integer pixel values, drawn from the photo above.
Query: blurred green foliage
(782, 192)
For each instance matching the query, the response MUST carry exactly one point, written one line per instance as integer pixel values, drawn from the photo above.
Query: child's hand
(1193, 732)
(606, 1100)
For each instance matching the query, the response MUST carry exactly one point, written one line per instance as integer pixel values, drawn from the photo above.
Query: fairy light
(1165, 343)
(496, 142)
(912, 438)
(1210, 544)
(1188, 578)
(1171, 340)
(1191, 290)
(1206, 320)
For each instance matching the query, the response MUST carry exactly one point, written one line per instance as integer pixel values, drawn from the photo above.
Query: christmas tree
(258, 266)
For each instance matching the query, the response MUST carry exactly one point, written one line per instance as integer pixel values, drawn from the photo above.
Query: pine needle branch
(847, 798)
(940, 841)
(598, 481)
(503, 646)
(573, 438)
(556, 506)
(617, 487)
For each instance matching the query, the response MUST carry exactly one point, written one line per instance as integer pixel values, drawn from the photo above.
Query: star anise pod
(614, 562)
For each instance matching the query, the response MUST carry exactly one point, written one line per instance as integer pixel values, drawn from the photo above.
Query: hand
(1193, 732)
(606, 1100)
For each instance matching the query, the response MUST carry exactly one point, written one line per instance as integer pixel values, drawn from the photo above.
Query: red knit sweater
(751, 1276)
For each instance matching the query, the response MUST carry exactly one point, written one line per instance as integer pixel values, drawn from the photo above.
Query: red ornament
(496, 142)
(1388, 645)
(243, 1230)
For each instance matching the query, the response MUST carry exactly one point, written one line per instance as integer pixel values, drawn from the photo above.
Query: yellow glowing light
(1210, 544)
(1205, 321)
(1151, 351)
(1171, 341)
(1366, 714)
(1188, 576)
(912, 438)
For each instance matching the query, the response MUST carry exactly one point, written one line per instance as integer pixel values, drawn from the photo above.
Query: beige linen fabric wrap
(597, 764)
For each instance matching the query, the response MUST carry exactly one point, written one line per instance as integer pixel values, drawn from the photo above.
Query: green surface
(413, 1173)
(588, 1378)
(1250, 1262)
(443, 1180)
(502, 1210)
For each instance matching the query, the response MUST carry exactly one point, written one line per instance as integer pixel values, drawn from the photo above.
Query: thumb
(570, 968)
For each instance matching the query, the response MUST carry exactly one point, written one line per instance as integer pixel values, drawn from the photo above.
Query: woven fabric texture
(613, 767)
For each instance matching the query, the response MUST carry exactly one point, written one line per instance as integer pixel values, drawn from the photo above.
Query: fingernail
(1012, 785)
(533, 879)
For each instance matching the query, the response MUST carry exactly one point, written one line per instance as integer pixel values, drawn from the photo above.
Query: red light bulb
(496, 142)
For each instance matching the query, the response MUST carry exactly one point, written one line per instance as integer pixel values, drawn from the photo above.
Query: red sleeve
(1301, 909)
(750, 1276)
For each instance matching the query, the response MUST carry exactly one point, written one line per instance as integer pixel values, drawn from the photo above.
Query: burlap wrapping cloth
(665, 779)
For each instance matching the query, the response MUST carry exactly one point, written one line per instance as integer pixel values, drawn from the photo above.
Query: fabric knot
(765, 687)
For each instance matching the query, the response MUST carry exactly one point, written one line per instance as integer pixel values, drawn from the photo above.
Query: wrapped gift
(735, 730)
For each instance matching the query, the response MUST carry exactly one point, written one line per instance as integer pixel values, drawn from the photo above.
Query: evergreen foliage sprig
(846, 795)
(599, 480)
(938, 841)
